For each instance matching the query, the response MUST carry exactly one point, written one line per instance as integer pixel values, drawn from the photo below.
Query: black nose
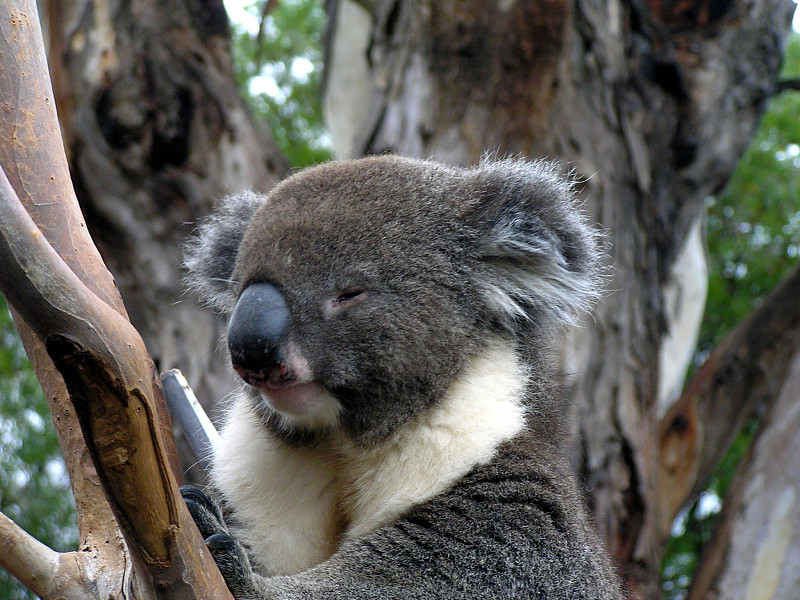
(257, 328)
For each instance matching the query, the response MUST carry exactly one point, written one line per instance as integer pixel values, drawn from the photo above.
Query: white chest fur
(292, 502)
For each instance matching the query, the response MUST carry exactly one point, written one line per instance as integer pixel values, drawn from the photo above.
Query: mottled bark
(651, 103)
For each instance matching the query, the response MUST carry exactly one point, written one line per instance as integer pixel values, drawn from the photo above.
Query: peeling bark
(755, 552)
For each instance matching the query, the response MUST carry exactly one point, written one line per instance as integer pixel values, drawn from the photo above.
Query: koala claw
(233, 563)
(220, 543)
(228, 553)
(206, 514)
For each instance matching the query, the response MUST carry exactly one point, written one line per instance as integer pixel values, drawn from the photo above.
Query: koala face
(357, 291)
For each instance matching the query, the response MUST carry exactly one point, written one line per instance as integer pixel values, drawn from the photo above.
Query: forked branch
(52, 275)
(106, 368)
(743, 372)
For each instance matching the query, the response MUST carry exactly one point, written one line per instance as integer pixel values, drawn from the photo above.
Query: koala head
(357, 291)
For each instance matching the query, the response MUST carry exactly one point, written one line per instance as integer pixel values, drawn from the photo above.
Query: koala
(400, 430)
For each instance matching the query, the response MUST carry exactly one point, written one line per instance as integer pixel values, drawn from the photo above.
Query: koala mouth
(289, 389)
(307, 404)
(296, 400)
(275, 378)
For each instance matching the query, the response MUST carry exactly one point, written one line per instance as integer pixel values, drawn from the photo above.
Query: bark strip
(743, 373)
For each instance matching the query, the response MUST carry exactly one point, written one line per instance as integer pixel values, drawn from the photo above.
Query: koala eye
(350, 294)
(343, 300)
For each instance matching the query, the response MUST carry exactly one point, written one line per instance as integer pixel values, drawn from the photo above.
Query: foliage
(35, 490)
(281, 75)
(753, 239)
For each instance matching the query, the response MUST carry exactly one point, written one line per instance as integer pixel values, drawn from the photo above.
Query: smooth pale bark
(754, 553)
(29, 137)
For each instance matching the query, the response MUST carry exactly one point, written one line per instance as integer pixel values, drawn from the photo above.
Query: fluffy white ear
(211, 254)
(540, 257)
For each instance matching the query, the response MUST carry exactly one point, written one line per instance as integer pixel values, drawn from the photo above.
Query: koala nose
(257, 328)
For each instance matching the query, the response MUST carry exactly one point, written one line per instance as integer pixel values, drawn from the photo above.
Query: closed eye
(344, 300)
(349, 295)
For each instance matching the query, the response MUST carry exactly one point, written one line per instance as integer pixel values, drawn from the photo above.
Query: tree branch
(756, 539)
(25, 557)
(32, 154)
(47, 573)
(60, 287)
(745, 371)
(787, 84)
(100, 354)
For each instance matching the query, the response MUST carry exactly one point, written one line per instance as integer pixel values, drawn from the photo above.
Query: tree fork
(744, 372)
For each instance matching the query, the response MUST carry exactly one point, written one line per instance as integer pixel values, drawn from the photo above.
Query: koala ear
(540, 259)
(211, 254)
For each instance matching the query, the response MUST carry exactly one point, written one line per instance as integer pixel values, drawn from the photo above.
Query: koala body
(400, 433)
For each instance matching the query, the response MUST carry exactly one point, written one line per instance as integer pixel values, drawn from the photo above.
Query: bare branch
(744, 372)
(32, 154)
(47, 573)
(86, 338)
(113, 385)
(269, 6)
(787, 84)
(25, 557)
(756, 539)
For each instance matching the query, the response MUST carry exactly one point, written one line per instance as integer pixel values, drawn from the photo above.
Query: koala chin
(400, 431)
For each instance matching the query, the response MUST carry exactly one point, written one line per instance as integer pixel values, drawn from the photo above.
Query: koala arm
(511, 527)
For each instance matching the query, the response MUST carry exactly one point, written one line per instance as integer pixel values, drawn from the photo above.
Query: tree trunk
(651, 103)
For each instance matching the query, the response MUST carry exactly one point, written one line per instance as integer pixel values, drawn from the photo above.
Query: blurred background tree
(277, 49)
(754, 226)
(753, 239)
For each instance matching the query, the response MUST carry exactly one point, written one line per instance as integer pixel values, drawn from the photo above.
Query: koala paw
(206, 513)
(229, 554)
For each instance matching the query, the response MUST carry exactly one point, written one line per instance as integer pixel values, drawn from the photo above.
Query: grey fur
(450, 258)
(211, 254)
